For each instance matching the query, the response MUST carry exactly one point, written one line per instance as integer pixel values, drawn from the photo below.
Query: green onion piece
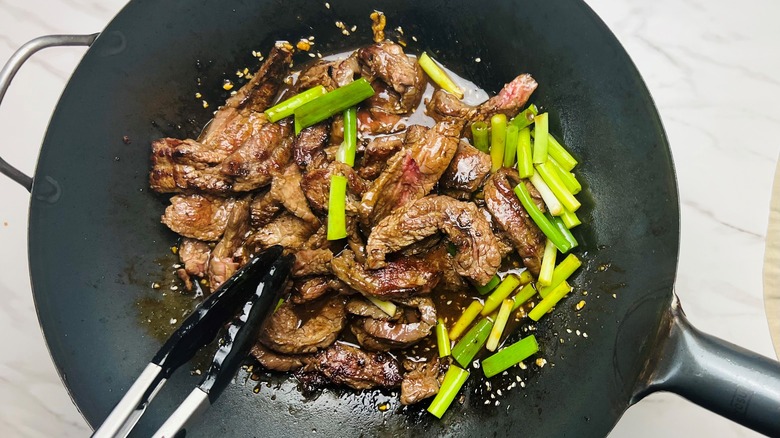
(562, 273)
(510, 356)
(386, 306)
(332, 103)
(561, 155)
(526, 277)
(438, 75)
(525, 167)
(567, 177)
(570, 219)
(464, 351)
(540, 138)
(549, 230)
(526, 117)
(453, 381)
(558, 223)
(286, 108)
(346, 151)
(337, 208)
(279, 304)
(442, 339)
(510, 148)
(465, 320)
(507, 286)
(497, 140)
(489, 286)
(548, 264)
(549, 301)
(525, 294)
(499, 325)
(550, 176)
(479, 131)
(553, 204)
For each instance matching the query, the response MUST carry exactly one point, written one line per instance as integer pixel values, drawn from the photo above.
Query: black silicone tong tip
(203, 324)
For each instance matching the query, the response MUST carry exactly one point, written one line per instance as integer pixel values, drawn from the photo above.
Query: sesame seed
(345, 32)
(584, 335)
(353, 28)
(155, 285)
(568, 330)
(522, 384)
(475, 364)
(478, 60)
(518, 379)
(578, 333)
(499, 392)
(173, 321)
(400, 30)
(327, 5)
(449, 302)
(414, 38)
(614, 295)
(498, 402)
(205, 104)
(487, 402)
(522, 365)
(174, 287)
(312, 55)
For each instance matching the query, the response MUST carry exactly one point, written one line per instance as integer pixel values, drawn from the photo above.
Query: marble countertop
(713, 70)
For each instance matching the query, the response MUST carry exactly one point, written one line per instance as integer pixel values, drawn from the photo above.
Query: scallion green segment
(526, 277)
(549, 230)
(332, 103)
(561, 155)
(525, 167)
(570, 219)
(510, 148)
(548, 264)
(559, 189)
(540, 138)
(453, 381)
(387, 306)
(554, 206)
(497, 140)
(561, 273)
(286, 108)
(507, 286)
(526, 117)
(563, 229)
(465, 320)
(337, 208)
(442, 339)
(483, 290)
(499, 325)
(346, 151)
(439, 76)
(479, 132)
(549, 301)
(567, 177)
(525, 294)
(464, 351)
(510, 356)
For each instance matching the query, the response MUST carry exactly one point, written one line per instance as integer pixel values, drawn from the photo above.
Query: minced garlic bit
(198, 95)
(205, 104)
(239, 73)
(383, 407)
(541, 362)
(155, 285)
(257, 54)
(174, 249)
(304, 45)
(378, 23)
(400, 30)
(227, 85)
(173, 321)
(580, 305)
(283, 45)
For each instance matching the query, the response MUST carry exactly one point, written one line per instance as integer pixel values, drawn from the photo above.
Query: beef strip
(287, 230)
(286, 333)
(405, 277)
(194, 255)
(377, 152)
(343, 364)
(384, 335)
(329, 74)
(310, 143)
(264, 154)
(229, 253)
(311, 288)
(477, 254)
(316, 186)
(263, 209)
(274, 361)
(312, 262)
(286, 188)
(445, 106)
(422, 379)
(413, 171)
(201, 217)
(371, 121)
(467, 170)
(512, 218)
(184, 165)
(388, 62)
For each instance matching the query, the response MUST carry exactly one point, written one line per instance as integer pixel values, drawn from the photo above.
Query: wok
(96, 244)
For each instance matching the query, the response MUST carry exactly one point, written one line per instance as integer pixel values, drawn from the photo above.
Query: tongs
(255, 288)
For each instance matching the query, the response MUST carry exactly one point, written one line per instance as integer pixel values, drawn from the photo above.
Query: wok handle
(9, 71)
(717, 375)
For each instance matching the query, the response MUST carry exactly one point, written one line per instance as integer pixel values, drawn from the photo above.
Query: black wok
(96, 243)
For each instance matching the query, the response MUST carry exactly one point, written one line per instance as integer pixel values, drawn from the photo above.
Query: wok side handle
(717, 375)
(12, 67)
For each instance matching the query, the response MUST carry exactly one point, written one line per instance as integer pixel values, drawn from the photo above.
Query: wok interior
(96, 250)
